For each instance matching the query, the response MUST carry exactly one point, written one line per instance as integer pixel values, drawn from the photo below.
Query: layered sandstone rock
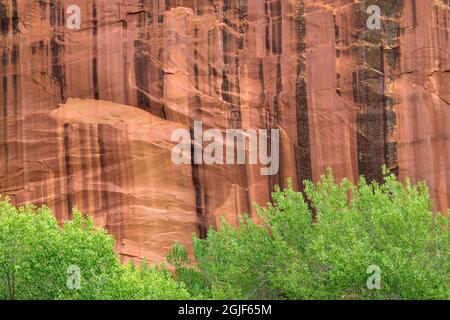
(87, 115)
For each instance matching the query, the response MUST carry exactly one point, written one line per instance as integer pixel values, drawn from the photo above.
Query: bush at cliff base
(41, 260)
(368, 241)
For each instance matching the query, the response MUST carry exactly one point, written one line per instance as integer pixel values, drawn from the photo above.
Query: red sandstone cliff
(86, 115)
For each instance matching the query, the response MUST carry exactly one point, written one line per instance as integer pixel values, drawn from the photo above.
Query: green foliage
(295, 256)
(146, 283)
(323, 244)
(36, 254)
(195, 281)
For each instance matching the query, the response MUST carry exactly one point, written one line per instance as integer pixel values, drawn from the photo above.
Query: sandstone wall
(86, 115)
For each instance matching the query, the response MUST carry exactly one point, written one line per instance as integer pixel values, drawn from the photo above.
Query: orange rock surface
(87, 114)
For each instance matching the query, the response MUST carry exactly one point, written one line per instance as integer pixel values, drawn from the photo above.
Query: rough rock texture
(86, 115)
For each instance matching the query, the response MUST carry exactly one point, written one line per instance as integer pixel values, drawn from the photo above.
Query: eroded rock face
(87, 113)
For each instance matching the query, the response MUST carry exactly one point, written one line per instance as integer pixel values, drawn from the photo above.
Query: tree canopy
(41, 260)
(338, 241)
